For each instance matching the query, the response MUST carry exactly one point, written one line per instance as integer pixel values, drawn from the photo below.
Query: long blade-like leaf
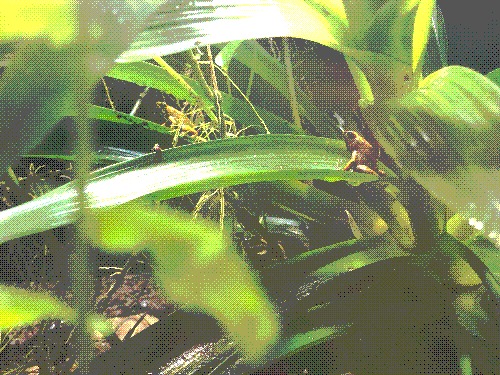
(185, 170)
(494, 76)
(176, 29)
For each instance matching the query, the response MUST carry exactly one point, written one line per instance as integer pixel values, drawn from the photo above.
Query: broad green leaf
(106, 114)
(196, 269)
(313, 337)
(447, 147)
(19, 306)
(421, 28)
(364, 88)
(313, 262)
(178, 26)
(360, 259)
(494, 76)
(184, 170)
(438, 28)
(488, 253)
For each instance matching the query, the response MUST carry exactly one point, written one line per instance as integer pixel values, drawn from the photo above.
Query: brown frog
(364, 156)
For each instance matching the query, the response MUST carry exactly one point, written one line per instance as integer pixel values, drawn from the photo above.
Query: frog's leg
(365, 169)
(351, 163)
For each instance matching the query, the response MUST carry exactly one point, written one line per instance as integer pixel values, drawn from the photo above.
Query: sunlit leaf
(226, 54)
(182, 27)
(54, 19)
(421, 31)
(18, 306)
(185, 170)
(494, 76)
(43, 81)
(196, 269)
(439, 32)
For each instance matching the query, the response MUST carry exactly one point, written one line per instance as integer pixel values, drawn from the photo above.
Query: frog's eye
(350, 135)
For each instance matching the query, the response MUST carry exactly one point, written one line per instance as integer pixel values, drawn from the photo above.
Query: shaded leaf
(254, 56)
(150, 75)
(448, 147)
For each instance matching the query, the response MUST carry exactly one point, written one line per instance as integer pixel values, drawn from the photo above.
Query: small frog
(363, 155)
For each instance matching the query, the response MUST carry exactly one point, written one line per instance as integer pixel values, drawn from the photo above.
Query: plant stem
(139, 101)
(199, 74)
(218, 98)
(246, 99)
(291, 84)
(108, 95)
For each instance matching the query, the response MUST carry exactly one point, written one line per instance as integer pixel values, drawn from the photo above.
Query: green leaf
(106, 114)
(185, 170)
(360, 259)
(146, 74)
(313, 337)
(470, 313)
(439, 31)
(19, 306)
(494, 75)
(226, 54)
(56, 20)
(178, 26)
(197, 269)
(149, 75)
(43, 81)
(421, 31)
(447, 147)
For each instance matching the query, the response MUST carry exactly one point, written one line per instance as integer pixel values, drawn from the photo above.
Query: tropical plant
(430, 225)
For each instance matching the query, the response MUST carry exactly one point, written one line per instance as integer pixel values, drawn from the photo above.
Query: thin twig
(218, 98)
(246, 99)
(108, 94)
(139, 101)
(291, 84)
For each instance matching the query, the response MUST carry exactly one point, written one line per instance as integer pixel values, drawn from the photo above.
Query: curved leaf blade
(185, 170)
(182, 257)
(179, 26)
